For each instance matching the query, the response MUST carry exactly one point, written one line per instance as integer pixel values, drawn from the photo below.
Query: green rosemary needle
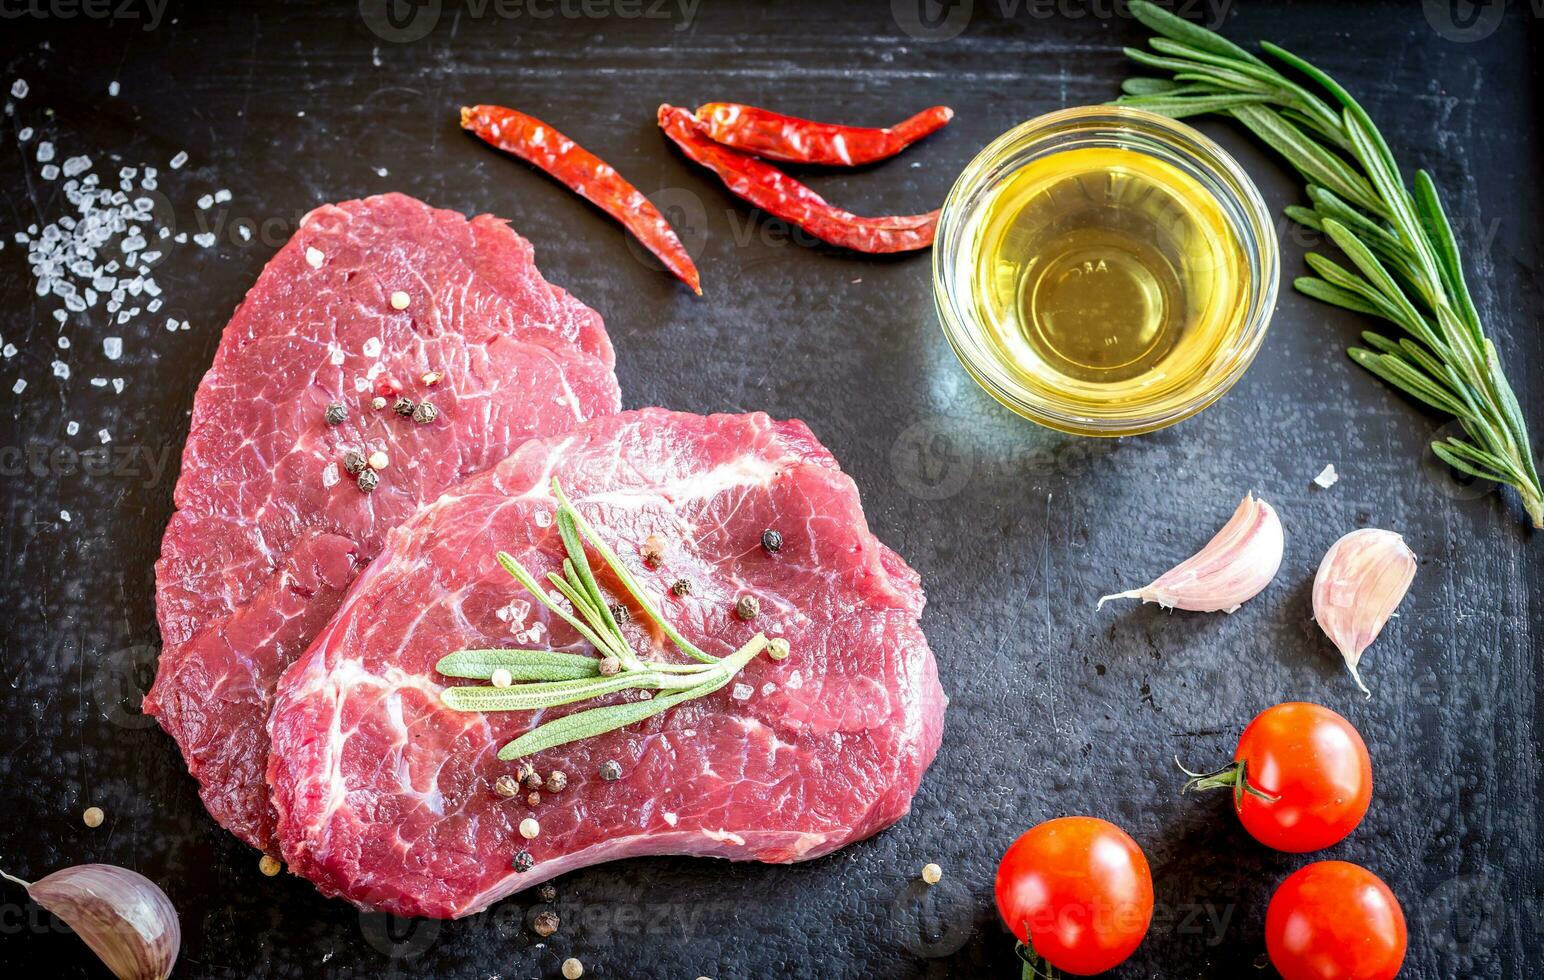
(541, 679)
(1406, 264)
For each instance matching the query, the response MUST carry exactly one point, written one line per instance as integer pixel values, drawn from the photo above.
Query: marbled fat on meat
(262, 548)
(385, 797)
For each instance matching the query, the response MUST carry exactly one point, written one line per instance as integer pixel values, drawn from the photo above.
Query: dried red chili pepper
(778, 137)
(589, 176)
(781, 196)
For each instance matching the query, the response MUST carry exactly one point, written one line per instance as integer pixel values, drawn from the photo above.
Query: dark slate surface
(1056, 709)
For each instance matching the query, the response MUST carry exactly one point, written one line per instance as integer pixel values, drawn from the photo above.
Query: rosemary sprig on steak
(1407, 265)
(528, 680)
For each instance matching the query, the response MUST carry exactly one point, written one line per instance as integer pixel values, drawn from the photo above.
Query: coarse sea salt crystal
(113, 89)
(741, 692)
(336, 357)
(64, 516)
(19, 89)
(64, 343)
(20, 386)
(24, 134)
(330, 475)
(118, 386)
(768, 688)
(204, 240)
(45, 151)
(222, 195)
(112, 347)
(1327, 477)
(75, 166)
(205, 202)
(61, 370)
(244, 232)
(99, 382)
(8, 351)
(71, 427)
(372, 347)
(314, 257)
(105, 436)
(180, 159)
(49, 172)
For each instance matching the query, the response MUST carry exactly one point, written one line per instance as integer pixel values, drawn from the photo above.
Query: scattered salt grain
(204, 240)
(71, 427)
(244, 232)
(182, 238)
(104, 435)
(112, 89)
(741, 692)
(75, 166)
(117, 386)
(99, 382)
(221, 196)
(20, 386)
(1327, 477)
(45, 151)
(372, 347)
(768, 688)
(64, 342)
(381, 171)
(205, 203)
(330, 475)
(24, 135)
(61, 370)
(336, 357)
(64, 516)
(19, 89)
(314, 257)
(180, 159)
(8, 352)
(49, 172)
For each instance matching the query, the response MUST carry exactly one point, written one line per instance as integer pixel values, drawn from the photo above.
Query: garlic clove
(1361, 581)
(1235, 565)
(127, 920)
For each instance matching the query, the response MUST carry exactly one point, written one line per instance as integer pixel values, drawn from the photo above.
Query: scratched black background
(1056, 709)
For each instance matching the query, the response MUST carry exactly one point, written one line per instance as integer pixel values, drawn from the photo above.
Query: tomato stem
(1234, 775)
(1035, 965)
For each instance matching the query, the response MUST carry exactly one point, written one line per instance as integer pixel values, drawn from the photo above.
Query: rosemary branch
(1407, 266)
(548, 679)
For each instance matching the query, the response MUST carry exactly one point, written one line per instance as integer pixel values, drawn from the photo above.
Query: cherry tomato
(1335, 921)
(1077, 892)
(1301, 778)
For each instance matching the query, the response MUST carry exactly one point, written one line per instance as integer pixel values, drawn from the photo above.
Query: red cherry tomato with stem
(1077, 893)
(1335, 921)
(1301, 778)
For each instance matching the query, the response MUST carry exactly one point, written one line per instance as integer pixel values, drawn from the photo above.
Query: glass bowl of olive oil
(1105, 271)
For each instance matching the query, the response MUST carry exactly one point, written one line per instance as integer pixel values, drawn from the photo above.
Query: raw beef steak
(270, 528)
(386, 797)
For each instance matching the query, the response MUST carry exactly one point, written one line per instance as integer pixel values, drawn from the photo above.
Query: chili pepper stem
(1035, 965)
(1232, 776)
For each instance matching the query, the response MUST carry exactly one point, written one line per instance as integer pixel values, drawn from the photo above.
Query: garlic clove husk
(127, 920)
(1235, 565)
(1361, 581)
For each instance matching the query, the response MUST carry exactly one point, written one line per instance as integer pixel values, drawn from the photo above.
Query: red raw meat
(261, 549)
(385, 797)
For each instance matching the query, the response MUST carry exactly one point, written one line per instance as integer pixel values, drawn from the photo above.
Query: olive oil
(1107, 277)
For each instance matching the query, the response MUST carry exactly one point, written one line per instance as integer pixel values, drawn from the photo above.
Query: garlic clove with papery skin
(1235, 565)
(1361, 581)
(124, 917)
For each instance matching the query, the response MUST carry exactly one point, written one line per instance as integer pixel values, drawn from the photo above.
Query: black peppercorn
(748, 607)
(335, 414)
(368, 481)
(680, 588)
(609, 666)
(354, 462)
(548, 893)
(425, 413)
(534, 799)
(619, 613)
(610, 771)
(532, 780)
(403, 406)
(772, 541)
(506, 785)
(523, 861)
(557, 779)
